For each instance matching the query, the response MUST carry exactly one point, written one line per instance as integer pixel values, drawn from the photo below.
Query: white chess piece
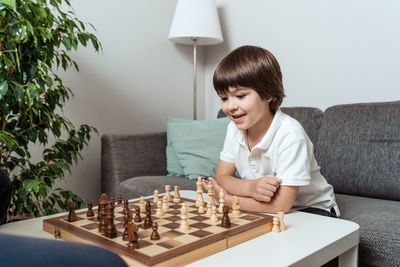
(165, 206)
(177, 196)
(214, 218)
(221, 201)
(199, 191)
(159, 212)
(282, 225)
(184, 226)
(275, 228)
(235, 206)
(141, 204)
(168, 192)
(155, 199)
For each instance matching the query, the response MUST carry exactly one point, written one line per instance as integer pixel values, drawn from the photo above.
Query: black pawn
(72, 215)
(90, 212)
(148, 222)
(155, 235)
(225, 221)
(137, 217)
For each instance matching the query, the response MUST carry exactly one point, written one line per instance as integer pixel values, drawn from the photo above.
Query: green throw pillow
(174, 168)
(197, 144)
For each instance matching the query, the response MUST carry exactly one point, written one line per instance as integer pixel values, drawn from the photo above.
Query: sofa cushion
(197, 144)
(145, 185)
(359, 149)
(379, 228)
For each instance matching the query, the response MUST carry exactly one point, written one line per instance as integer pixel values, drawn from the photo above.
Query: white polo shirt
(285, 152)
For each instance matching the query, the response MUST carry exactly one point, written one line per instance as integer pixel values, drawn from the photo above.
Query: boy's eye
(240, 96)
(223, 99)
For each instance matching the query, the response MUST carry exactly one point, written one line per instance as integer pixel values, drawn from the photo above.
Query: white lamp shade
(196, 19)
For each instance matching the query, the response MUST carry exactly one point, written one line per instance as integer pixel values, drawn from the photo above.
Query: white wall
(139, 79)
(330, 52)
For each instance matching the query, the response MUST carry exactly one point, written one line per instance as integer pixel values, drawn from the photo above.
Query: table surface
(310, 240)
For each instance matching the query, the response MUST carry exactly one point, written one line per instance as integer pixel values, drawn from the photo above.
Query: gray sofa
(356, 145)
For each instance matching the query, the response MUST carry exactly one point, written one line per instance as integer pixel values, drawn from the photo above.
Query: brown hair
(253, 67)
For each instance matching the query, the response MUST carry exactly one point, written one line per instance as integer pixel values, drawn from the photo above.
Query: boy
(270, 150)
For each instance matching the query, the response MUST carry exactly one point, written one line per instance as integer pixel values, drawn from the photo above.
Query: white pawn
(159, 212)
(141, 204)
(214, 218)
(275, 228)
(168, 192)
(282, 226)
(235, 206)
(201, 208)
(209, 209)
(221, 201)
(165, 206)
(177, 196)
(199, 191)
(184, 226)
(155, 199)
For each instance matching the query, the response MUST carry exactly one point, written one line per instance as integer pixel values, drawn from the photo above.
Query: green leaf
(3, 88)
(9, 3)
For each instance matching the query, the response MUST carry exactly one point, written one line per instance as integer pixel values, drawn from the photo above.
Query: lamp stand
(194, 78)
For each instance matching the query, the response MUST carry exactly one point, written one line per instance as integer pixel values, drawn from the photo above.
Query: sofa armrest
(127, 156)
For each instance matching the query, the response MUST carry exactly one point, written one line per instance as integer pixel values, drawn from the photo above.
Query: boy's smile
(246, 109)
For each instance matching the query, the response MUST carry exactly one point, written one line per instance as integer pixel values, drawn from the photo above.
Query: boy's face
(245, 107)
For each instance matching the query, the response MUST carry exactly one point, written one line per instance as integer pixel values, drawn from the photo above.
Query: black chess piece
(72, 215)
(155, 235)
(225, 221)
(132, 236)
(90, 212)
(137, 217)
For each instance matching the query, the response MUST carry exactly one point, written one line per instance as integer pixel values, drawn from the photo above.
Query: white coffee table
(310, 240)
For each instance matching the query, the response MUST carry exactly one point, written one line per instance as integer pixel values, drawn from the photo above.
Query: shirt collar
(267, 139)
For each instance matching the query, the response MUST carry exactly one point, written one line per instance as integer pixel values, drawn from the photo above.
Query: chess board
(175, 248)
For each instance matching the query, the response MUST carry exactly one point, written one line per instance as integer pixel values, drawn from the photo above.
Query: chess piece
(72, 215)
(155, 235)
(275, 222)
(201, 208)
(214, 218)
(127, 218)
(156, 198)
(125, 207)
(282, 225)
(168, 192)
(148, 220)
(221, 201)
(110, 230)
(199, 191)
(225, 221)
(159, 212)
(90, 212)
(165, 206)
(235, 207)
(102, 209)
(209, 209)
(132, 236)
(177, 196)
(137, 217)
(141, 204)
(113, 202)
(184, 226)
(119, 199)
(210, 189)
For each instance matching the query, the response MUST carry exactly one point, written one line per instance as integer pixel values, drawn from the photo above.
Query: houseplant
(36, 37)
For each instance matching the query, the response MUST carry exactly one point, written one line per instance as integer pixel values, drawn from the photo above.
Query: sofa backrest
(358, 149)
(309, 118)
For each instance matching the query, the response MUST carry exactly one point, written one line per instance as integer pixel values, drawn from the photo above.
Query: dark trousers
(5, 195)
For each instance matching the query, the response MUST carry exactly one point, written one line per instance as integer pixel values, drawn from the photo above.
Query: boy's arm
(261, 189)
(282, 201)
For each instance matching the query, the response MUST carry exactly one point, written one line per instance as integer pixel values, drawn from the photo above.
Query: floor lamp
(195, 23)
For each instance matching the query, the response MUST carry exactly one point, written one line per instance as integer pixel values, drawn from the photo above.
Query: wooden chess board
(175, 248)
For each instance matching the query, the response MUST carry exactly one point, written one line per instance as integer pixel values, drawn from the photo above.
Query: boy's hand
(217, 187)
(264, 188)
